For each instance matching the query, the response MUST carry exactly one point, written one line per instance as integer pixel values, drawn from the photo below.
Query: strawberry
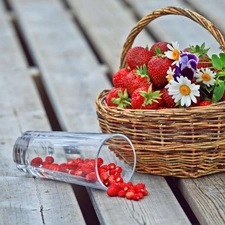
(122, 193)
(63, 167)
(137, 78)
(205, 102)
(162, 46)
(197, 103)
(91, 177)
(129, 195)
(201, 52)
(87, 168)
(145, 98)
(119, 77)
(49, 159)
(167, 99)
(113, 189)
(137, 57)
(118, 97)
(157, 70)
(36, 162)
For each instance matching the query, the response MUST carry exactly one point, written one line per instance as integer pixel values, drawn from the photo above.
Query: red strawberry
(49, 159)
(205, 102)
(119, 77)
(197, 103)
(137, 78)
(91, 177)
(157, 70)
(54, 166)
(162, 46)
(63, 167)
(145, 98)
(113, 189)
(118, 97)
(36, 162)
(122, 193)
(167, 99)
(129, 195)
(137, 57)
(100, 161)
(87, 168)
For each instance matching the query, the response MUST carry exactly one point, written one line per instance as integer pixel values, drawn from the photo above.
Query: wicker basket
(179, 142)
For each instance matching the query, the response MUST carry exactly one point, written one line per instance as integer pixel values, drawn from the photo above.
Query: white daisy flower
(170, 72)
(206, 76)
(173, 53)
(183, 90)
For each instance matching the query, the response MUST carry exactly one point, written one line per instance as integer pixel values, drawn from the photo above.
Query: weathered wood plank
(70, 71)
(107, 27)
(176, 28)
(24, 200)
(206, 196)
(63, 84)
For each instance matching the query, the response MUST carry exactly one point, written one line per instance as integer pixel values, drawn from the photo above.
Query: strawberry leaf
(218, 91)
(218, 61)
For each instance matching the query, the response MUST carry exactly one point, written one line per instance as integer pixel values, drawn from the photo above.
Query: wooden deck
(56, 56)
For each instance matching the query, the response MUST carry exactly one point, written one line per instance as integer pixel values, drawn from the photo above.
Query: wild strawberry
(91, 162)
(137, 78)
(145, 98)
(162, 46)
(45, 165)
(104, 176)
(118, 169)
(136, 197)
(118, 179)
(49, 159)
(113, 189)
(63, 167)
(111, 179)
(100, 161)
(36, 162)
(78, 161)
(118, 97)
(119, 77)
(78, 172)
(87, 168)
(91, 177)
(129, 195)
(122, 193)
(137, 57)
(167, 99)
(138, 186)
(144, 191)
(205, 102)
(112, 166)
(157, 70)
(54, 166)
(71, 164)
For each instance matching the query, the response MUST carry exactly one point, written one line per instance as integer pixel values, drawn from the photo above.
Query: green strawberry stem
(123, 101)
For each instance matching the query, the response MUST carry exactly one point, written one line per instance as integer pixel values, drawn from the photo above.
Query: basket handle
(169, 11)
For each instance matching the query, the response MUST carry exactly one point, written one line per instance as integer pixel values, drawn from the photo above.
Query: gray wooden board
(206, 196)
(159, 207)
(70, 71)
(107, 25)
(64, 80)
(177, 28)
(21, 110)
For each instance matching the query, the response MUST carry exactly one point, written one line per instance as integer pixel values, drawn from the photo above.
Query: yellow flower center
(175, 54)
(169, 77)
(185, 90)
(206, 77)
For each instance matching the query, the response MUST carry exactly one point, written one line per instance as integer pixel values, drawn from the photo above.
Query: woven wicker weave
(180, 142)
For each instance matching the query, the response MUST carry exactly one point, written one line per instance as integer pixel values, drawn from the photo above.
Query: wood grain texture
(107, 26)
(70, 71)
(206, 196)
(23, 199)
(60, 60)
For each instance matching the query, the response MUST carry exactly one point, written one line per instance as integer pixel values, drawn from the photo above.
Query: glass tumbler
(88, 159)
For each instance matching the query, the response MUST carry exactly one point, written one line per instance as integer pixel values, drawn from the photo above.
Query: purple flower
(188, 65)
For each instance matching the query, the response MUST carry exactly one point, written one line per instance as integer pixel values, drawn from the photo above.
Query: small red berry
(113, 189)
(118, 169)
(49, 159)
(36, 162)
(91, 177)
(112, 166)
(122, 193)
(54, 166)
(129, 195)
(100, 162)
(63, 167)
(136, 197)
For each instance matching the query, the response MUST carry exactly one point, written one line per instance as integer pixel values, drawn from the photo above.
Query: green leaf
(217, 62)
(222, 59)
(218, 91)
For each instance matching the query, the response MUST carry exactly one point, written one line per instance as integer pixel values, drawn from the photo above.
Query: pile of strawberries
(143, 83)
(110, 175)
